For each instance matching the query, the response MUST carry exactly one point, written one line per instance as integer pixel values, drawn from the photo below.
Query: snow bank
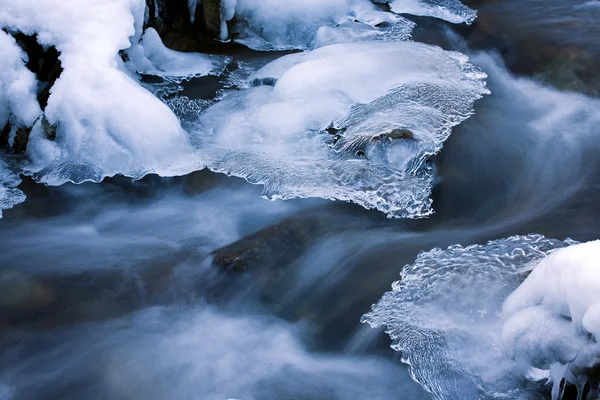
(106, 122)
(353, 122)
(445, 316)
(553, 318)
(302, 24)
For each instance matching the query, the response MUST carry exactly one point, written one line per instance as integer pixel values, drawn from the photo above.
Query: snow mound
(106, 123)
(353, 122)
(445, 316)
(552, 321)
(301, 24)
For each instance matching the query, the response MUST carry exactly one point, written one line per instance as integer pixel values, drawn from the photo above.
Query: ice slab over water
(353, 122)
(445, 316)
(150, 56)
(106, 123)
(449, 10)
(301, 24)
(9, 194)
(18, 104)
(552, 321)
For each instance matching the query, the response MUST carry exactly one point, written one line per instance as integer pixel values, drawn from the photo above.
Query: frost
(301, 24)
(552, 321)
(352, 122)
(150, 56)
(444, 315)
(106, 123)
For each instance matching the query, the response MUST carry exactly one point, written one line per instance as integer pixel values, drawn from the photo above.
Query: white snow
(276, 135)
(18, 86)
(106, 122)
(450, 10)
(552, 320)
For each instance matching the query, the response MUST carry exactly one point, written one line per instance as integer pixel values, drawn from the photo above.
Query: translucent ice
(445, 316)
(18, 85)
(150, 56)
(9, 194)
(449, 10)
(299, 24)
(352, 122)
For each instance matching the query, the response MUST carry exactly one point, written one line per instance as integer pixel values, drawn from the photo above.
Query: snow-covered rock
(106, 123)
(552, 320)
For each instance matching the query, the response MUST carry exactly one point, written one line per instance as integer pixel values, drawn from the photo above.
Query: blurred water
(110, 290)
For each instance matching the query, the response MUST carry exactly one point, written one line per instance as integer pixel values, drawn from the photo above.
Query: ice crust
(323, 129)
(301, 24)
(445, 316)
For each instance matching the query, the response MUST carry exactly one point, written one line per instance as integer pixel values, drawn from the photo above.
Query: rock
(21, 292)
(399, 133)
(211, 17)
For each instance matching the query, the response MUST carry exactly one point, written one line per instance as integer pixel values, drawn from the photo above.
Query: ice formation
(353, 122)
(301, 24)
(18, 85)
(9, 194)
(449, 10)
(552, 321)
(150, 56)
(445, 316)
(106, 123)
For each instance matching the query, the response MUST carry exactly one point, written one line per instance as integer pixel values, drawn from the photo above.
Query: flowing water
(196, 287)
